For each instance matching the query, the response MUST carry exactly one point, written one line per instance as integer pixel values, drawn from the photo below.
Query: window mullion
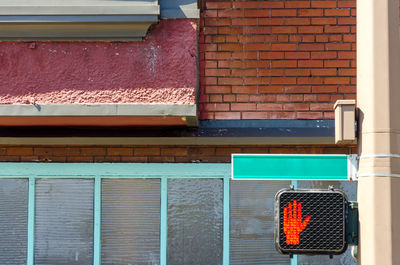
(31, 221)
(164, 221)
(226, 216)
(97, 222)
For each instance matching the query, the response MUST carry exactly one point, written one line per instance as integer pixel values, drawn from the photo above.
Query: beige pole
(378, 100)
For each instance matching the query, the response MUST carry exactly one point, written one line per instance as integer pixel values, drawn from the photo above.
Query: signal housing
(316, 226)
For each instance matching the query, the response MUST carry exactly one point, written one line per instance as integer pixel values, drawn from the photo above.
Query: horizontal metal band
(379, 156)
(378, 175)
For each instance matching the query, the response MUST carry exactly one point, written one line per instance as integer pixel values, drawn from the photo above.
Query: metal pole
(378, 96)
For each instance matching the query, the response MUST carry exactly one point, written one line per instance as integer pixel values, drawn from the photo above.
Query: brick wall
(153, 154)
(258, 60)
(276, 59)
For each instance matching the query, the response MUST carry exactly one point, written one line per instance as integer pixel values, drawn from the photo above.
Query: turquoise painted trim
(110, 170)
(14, 177)
(31, 221)
(226, 227)
(97, 222)
(164, 221)
(294, 260)
(161, 176)
(138, 176)
(124, 177)
(64, 177)
(294, 183)
(322, 167)
(98, 171)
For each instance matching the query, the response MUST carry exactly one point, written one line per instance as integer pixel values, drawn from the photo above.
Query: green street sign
(293, 167)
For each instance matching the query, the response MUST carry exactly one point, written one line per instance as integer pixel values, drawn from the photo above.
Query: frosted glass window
(350, 188)
(195, 211)
(13, 221)
(64, 222)
(252, 222)
(130, 221)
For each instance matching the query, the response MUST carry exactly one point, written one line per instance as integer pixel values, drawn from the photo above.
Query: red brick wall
(152, 154)
(258, 60)
(276, 59)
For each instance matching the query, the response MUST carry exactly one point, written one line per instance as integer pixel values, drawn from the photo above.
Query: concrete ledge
(97, 110)
(77, 8)
(98, 115)
(76, 20)
(71, 31)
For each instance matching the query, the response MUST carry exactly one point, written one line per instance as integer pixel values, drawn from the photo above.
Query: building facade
(118, 122)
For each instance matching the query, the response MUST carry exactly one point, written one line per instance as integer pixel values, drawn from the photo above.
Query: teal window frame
(98, 171)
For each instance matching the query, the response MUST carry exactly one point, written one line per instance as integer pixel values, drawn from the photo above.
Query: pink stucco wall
(162, 69)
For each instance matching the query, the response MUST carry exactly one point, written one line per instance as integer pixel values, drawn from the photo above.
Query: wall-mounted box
(345, 126)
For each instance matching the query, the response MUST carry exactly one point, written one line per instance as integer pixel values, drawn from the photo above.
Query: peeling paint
(151, 56)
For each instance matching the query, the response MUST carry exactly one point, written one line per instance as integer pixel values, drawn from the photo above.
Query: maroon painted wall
(162, 69)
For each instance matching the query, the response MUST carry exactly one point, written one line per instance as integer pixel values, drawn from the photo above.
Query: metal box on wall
(345, 131)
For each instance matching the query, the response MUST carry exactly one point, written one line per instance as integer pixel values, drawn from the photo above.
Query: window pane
(130, 221)
(350, 188)
(13, 220)
(64, 222)
(252, 222)
(195, 210)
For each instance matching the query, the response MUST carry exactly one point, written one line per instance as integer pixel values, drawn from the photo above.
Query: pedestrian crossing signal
(292, 222)
(310, 222)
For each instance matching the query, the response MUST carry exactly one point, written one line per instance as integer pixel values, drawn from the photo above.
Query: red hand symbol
(292, 224)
